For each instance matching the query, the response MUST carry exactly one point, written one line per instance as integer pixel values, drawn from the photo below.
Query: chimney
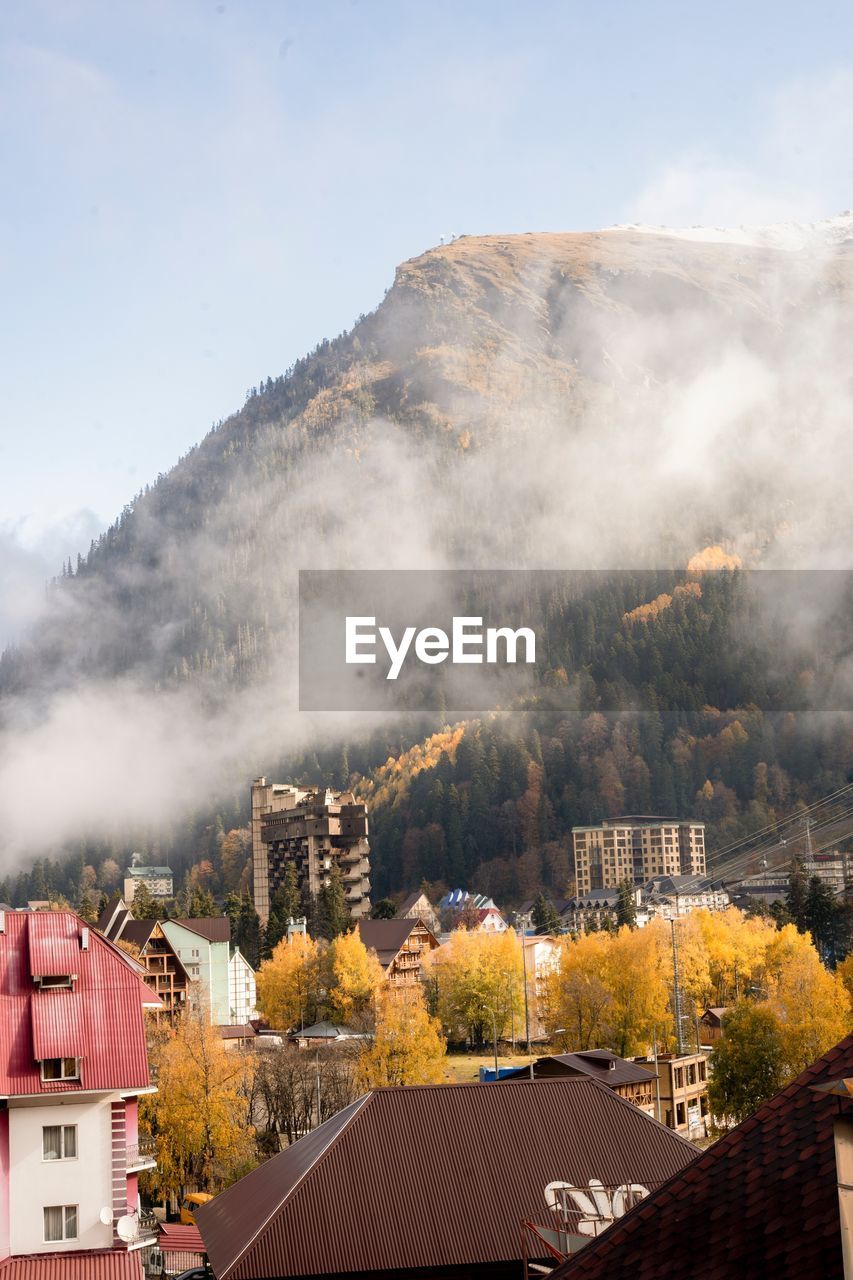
(84, 939)
(843, 1134)
(2, 921)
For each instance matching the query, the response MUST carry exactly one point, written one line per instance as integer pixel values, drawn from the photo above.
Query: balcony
(141, 1154)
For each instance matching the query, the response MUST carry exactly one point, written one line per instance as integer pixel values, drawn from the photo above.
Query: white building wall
(36, 1183)
(242, 989)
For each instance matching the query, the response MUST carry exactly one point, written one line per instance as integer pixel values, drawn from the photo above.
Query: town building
(711, 1024)
(242, 989)
(418, 907)
(322, 1034)
(203, 945)
(73, 1065)
(541, 959)
(157, 880)
(634, 1083)
(599, 909)
(164, 972)
(436, 1181)
(670, 897)
(769, 1198)
(187, 962)
(239, 1035)
(312, 829)
(400, 947)
(636, 848)
(682, 1090)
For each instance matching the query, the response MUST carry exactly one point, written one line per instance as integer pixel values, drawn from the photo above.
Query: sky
(194, 194)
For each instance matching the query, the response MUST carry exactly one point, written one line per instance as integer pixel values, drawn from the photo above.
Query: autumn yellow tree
(407, 1046)
(638, 976)
(812, 1005)
(478, 982)
(355, 976)
(289, 983)
(200, 1114)
(578, 1003)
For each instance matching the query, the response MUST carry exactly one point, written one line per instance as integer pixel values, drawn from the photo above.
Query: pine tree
(626, 906)
(333, 916)
(544, 915)
(795, 898)
(143, 906)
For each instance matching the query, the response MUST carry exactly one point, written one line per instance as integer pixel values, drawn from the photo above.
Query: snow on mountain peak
(826, 234)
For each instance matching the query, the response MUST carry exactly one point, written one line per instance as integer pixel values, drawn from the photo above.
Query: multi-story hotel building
(637, 848)
(315, 829)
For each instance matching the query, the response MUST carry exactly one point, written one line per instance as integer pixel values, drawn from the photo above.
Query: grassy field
(464, 1067)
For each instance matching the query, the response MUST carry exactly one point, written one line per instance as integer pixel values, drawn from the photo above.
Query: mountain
(614, 399)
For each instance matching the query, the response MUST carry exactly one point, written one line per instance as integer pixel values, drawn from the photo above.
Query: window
(679, 1114)
(60, 1069)
(679, 1078)
(60, 1222)
(691, 1074)
(59, 1142)
(702, 1072)
(55, 980)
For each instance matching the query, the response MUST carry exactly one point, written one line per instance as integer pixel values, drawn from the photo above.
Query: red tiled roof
(431, 1177)
(762, 1201)
(101, 1264)
(102, 1015)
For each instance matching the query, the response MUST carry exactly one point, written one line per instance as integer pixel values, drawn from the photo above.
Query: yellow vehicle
(190, 1203)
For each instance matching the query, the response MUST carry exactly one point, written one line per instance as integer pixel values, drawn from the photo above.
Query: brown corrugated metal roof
(601, 1064)
(431, 1177)
(386, 937)
(762, 1201)
(103, 1264)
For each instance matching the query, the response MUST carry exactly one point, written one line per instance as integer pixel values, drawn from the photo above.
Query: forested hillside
(568, 401)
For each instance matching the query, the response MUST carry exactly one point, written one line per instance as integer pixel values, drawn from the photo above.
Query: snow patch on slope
(793, 236)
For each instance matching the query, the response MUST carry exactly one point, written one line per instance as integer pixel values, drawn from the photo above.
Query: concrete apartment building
(314, 828)
(637, 848)
(159, 882)
(73, 1063)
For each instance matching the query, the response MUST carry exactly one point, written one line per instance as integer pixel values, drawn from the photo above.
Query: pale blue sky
(193, 193)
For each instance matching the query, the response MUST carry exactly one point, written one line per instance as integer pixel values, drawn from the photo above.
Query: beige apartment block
(637, 848)
(315, 828)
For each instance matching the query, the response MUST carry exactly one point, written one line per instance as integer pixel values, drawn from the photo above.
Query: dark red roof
(431, 1177)
(180, 1238)
(100, 1020)
(101, 1264)
(760, 1202)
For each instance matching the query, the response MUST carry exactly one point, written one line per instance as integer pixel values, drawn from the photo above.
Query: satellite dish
(127, 1228)
(106, 1215)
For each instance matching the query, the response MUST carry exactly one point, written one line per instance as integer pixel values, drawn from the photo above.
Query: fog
(617, 402)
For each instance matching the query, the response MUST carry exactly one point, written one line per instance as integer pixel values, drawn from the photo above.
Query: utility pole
(526, 1009)
(676, 978)
(657, 1074)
